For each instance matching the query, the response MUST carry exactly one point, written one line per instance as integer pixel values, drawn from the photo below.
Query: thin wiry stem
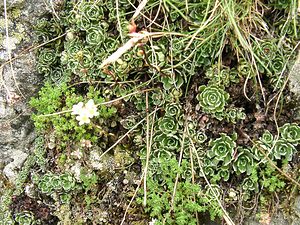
(270, 161)
(30, 49)
(102, 103)
(179, 163)
(125, 135)
(119, 22)
(225, 216)
(133, 197)
(148, 149)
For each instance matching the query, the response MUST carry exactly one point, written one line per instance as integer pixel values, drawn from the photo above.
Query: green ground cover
(190, 114)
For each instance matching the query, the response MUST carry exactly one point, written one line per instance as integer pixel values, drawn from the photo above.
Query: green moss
(54, 99)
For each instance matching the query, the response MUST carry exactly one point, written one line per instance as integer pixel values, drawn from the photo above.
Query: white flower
(86, 143)
(85, 112)
(84, 117)
(77, 108)
(152, 222)
(92, 108)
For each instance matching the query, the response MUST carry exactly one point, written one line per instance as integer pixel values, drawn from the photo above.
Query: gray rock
(18, 85)
(296, 207)
(252, 222)
(295, 77)
(294, 84)
(34, 7)
(279, 219)
(10, 170)
(11, 3)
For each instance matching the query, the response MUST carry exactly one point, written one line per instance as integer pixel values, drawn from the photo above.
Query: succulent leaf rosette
(65, 198)
(67, 181)
(257, 150)
(266, 50)
(234, 114)
(157, 54)
(56, 182)
(24, 218)
(73, 46)
(267, 138)
(163, 153)
(200, 137)
(169, 142)
(212, 99)
(129, 122)
(172, 80)
(158, 98)
(213, 191)
(250, 185)
(91, 11)
(47, 57)
(222, 149)
(168, 125)
(45, 183)
(83, 22)
(283, 149)
(244, 162)
(209, 171)
(245, 69)
(173, 110)
(85, 59)
(278, 64)
(94, 36)
(290, 132)
(277, 82)
(224, 173)
(221, 76)
(111, 44)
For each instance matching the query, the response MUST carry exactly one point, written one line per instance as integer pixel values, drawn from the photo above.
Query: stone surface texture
(295, 77)
(19, 82)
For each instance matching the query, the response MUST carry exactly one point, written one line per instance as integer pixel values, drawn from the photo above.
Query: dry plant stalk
(126, 47)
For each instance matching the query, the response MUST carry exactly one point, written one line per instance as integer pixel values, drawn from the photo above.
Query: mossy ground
(194, 116)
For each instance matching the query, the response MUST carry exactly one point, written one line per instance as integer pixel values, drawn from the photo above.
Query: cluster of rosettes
(225, 156)
(167, 130)
(89, 31)
(281, 149)
(51, 182)
(179, 63)
(223, 76)
(167, 139)
(219, 156)
(272, 60)
(213, 99)
(85, 113)
(24, 218)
